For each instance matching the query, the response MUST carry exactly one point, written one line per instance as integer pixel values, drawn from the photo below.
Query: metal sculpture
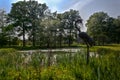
(85, 37)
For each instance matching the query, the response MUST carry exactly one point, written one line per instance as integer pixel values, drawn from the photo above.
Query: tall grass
(59, 65)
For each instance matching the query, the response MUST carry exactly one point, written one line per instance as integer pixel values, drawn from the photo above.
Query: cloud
(79, 4)
(53, 1)
(54, 5)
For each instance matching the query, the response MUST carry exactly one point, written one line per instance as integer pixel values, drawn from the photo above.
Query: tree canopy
(27, 14)
(38, 26)
(102, 28)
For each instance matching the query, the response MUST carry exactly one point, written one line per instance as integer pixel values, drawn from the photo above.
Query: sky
(85, 7)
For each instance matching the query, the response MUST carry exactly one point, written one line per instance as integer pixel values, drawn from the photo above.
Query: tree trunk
(33, 33)
(55, 39)
(103, 42)
(69, 42)
(9, 43)
(24, 44)
(33, 40)
(48, 42)
(60, 39)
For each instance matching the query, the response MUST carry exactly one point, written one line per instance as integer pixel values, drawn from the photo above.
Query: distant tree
(36, 12)
(101, 39)
(10, 33)
(110, 30)
(97, 27)
(3, 24)
(117, 30)
(69, 18)
(19, 16)
(50, 24)
(61, 29)
(26, 15)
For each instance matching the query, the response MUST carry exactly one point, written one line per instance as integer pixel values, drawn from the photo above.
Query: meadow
(61, 65)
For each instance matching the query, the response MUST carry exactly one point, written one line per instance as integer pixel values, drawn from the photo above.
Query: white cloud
(79, 5)
(54, 8)
(53, 4)
(53, 1)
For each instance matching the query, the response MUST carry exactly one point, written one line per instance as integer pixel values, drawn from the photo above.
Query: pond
(52, 56)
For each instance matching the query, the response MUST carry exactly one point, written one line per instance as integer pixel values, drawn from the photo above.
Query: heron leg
(88, 53)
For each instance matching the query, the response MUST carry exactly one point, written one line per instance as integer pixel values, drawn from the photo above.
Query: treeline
(103, 28)
(38, 26)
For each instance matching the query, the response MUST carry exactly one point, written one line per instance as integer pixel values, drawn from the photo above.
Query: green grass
(14, 65)
(115, 47)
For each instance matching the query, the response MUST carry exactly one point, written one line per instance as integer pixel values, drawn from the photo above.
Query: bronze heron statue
(85, 37)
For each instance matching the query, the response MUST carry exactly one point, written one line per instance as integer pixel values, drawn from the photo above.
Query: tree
(36, 12)
(27, 15)
(117, 30)
(97, 26)
(69, 18)
(61, 29)
(3, 24)
(51, 26)
(19, 16)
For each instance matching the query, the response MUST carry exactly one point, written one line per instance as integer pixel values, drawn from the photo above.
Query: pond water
(52, 56)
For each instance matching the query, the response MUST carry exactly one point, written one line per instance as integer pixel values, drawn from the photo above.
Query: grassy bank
(114, 47)
(66, 66)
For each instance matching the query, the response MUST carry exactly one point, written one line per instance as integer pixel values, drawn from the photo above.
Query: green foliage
(116, 30)
(68, 66)
(56, 73)
(7, 50)
(110, 48)
(97, 23)
(29, 22)
(103, 29)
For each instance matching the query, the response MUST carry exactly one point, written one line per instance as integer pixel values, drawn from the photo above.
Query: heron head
(78, 24)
